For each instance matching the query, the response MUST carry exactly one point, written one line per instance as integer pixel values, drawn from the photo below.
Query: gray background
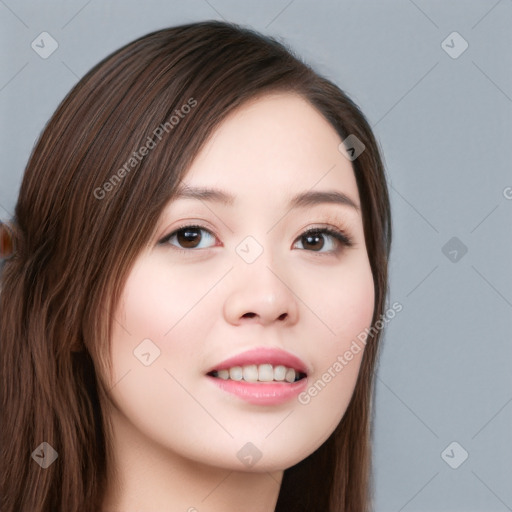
(445, 127)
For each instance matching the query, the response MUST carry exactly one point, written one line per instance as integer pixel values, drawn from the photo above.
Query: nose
(260, 295)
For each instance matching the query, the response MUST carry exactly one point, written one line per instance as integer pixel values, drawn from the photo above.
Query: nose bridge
(260, 288)
(261, 253)
(259, 264)
(252, 249)
(260, 237)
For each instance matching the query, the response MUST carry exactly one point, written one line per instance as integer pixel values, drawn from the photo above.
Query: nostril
(250, 315)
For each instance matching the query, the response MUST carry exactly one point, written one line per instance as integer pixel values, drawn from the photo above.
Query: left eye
(190, 237)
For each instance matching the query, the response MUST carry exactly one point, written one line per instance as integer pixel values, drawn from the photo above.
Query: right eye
(188, 237)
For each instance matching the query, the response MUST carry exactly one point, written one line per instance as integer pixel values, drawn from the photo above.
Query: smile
(259, 373)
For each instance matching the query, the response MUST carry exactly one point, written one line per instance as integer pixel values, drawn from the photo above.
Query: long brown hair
(80, 221)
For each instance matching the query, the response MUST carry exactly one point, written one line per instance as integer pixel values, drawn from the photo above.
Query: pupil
(316, 238)
(188, 237)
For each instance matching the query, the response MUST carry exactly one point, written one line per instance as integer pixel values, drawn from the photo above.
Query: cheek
(157, 302)
(160, 320)
(153, 300)
(349, 314)
(352, 307)
(343, 306)
(153, 349)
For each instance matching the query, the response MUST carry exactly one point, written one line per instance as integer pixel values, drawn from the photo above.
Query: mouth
(262, 376)
(259, 373)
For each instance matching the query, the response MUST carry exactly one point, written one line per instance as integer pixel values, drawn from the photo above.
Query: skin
(176, 434)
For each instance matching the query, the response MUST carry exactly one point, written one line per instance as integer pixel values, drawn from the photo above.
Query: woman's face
(248, 280)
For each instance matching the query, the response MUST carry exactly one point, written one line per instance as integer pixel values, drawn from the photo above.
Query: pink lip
(261, 393)
(273, 356)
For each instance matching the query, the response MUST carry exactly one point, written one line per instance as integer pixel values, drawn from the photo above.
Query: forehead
(270, 149)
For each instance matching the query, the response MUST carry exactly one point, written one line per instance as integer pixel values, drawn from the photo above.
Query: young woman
(191, 285)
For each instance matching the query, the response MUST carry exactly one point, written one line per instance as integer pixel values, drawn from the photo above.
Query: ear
(7, 240)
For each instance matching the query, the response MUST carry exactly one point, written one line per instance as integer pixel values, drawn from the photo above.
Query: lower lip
(266, 393)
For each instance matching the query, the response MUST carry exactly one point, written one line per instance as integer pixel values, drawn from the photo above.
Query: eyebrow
(301, 200)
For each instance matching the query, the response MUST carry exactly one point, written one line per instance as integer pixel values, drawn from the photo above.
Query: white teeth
(290, 375)
(265, 372)
(250, 373)
(279, 372)
(223, 374)
(258, 373)
(236, 373)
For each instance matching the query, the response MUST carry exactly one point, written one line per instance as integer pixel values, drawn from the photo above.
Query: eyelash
(338, 234)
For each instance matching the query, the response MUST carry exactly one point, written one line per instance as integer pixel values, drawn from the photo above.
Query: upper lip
(263, 355)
